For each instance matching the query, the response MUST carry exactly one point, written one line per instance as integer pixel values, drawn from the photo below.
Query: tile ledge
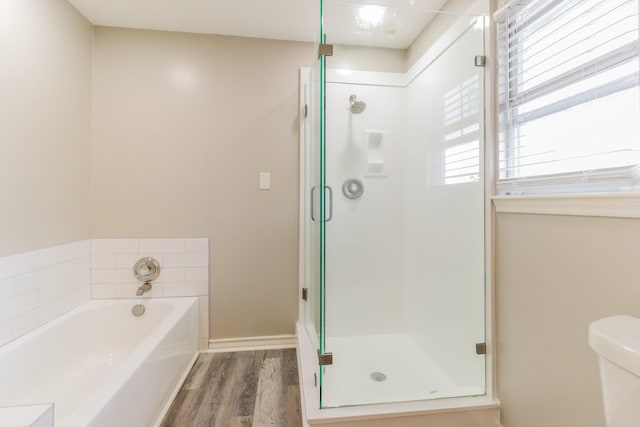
(616, 205)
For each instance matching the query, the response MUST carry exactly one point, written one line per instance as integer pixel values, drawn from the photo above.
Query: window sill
(617, 205)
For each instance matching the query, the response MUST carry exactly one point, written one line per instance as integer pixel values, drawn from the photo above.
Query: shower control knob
(146, 269)
(353, 188)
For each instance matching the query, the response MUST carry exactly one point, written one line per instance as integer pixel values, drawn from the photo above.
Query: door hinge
(481, 348)
(325, 49)
(306, 110)
(480, 61)
(315, 379)
(325, 359)
(305, 293)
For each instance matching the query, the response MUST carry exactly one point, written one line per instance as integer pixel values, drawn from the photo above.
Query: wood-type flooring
(239, 389)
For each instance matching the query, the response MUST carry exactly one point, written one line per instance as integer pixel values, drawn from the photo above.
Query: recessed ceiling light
(370, 15)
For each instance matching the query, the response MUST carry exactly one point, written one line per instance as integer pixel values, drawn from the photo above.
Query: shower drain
(378, 377)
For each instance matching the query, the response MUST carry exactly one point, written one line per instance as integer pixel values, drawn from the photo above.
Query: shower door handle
(313, 204)
(331, 205)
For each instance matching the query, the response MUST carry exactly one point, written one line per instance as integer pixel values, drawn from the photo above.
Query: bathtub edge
(174, 393)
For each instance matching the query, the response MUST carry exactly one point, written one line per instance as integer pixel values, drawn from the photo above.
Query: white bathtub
(100, 365)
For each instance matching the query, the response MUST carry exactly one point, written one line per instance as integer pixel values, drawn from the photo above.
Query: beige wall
(182, 126)
(555, 275)
(45, 84)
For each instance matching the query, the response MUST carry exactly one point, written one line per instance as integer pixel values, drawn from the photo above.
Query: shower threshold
(351, 383)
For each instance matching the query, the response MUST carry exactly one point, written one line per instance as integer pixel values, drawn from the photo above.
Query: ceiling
(271, 19)
(375, 26)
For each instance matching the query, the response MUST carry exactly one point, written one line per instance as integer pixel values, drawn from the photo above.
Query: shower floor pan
(410, 373)
(375, 371)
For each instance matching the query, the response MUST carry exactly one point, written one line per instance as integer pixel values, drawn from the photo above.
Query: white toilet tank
(617, 341)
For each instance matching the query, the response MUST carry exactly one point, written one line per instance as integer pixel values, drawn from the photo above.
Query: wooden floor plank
(198, 373)
(212, 393)
(289, 367)
(247, 401)
(268, 410)
(292, 411)
(239, 389)
(233, 389)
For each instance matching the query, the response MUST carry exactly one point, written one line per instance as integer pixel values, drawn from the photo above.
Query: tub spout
(146, 287)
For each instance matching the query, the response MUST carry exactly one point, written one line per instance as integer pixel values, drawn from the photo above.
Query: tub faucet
(145, 287)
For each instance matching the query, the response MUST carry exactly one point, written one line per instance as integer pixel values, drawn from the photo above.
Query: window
(569, 103)
(462, 141)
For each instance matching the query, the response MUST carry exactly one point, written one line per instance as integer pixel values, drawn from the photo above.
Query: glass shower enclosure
(393, 204)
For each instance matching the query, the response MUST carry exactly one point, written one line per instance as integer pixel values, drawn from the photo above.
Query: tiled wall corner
(184, 270)
(38, 286)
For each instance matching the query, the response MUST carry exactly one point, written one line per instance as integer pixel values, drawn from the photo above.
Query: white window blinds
(569, 104)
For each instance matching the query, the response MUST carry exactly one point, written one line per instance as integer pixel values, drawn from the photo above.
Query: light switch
(265, 181)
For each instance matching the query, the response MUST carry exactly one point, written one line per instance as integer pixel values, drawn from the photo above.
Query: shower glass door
(401, 235)
(314, 202)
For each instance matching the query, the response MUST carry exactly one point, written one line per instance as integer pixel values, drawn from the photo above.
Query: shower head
(356, 107)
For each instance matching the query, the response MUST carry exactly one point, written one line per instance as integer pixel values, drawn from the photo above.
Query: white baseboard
(251, 343)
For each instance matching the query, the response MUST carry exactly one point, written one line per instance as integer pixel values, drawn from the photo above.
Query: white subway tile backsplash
(197, 245)
(49, 275)
(127, 260)
(5, 311)
(6, 333)
(23, 304)
(74, 299)
(15, 265)
(75, 266)
(104, 275)
(103, 260)
(124, 290)
(173, 256)
(171, 275)
(195, 274)
(25, 283)
(197, 259)
(114, 246)
(175, 260)
(6, 289)
(162, 245)
(73, 283)
(103, 290)
(125, 275)
(50, 293)
(36, 286)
